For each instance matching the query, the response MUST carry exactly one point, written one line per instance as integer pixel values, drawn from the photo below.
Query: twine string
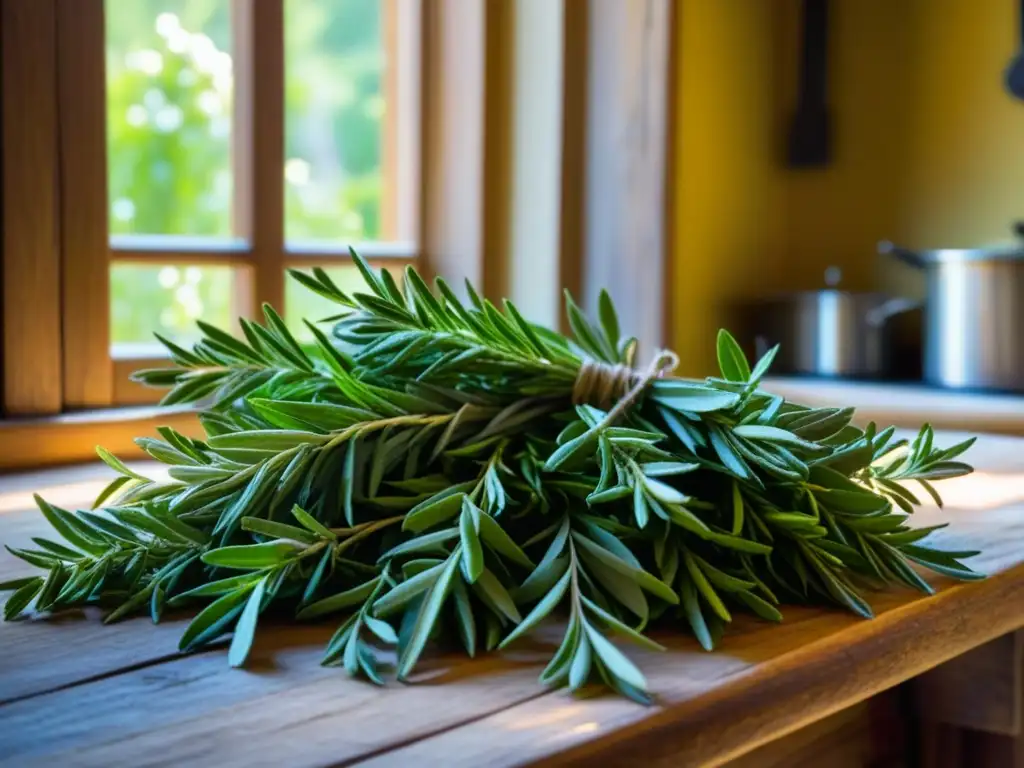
(618, 386)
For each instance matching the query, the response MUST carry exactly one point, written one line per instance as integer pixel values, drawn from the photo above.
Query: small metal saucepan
(974, 318)
(829, 332)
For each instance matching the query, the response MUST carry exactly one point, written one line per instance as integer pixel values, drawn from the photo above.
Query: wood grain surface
(73, 692)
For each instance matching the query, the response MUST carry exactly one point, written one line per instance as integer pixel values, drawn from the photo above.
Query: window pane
(169, 103)
(335, 189)
(168, 300)
(300, 303)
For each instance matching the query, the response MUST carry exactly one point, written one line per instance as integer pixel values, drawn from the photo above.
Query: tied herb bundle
(450, 471)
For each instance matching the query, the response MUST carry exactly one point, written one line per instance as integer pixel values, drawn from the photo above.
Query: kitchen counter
(908, 404)
(73, 692)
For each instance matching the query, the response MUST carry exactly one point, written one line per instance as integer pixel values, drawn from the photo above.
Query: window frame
(58, 374)
(259, 254)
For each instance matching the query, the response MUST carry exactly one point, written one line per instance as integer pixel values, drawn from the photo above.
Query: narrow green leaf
(641, 510)
(497, 539)
(277, 530)
(738, 507)
(645, 580)
(759, 606)
(464, 615)
(579, 670)
(214, 619)
(407, 591)
(614, 660)
(245, 629)
(437, 509)
(609, 319)
(578, 448)
(472, 552)
(340, 601)
(729, 458)
(496, 596)
(427, 616)
(731, 360)
(75, 532)
(692, 398)
(313, 525)
(704, 587)
(384, 632)
(22, 596)
(540, 610)
(691, 605)
(247, 556)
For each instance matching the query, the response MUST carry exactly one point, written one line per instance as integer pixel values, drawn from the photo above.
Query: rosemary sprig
(426, 475)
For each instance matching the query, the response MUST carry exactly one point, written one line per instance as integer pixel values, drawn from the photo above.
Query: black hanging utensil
(810, 143)
(1015, 72)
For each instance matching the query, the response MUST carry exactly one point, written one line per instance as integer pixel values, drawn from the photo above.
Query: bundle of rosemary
(449, 470)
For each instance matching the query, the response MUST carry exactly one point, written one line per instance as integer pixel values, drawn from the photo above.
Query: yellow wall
(728, 201)
(965, 164)
(928, 149)
(836, 215)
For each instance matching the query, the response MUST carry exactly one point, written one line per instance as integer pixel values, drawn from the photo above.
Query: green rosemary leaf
(644, 580)
(541, 610)
(497, 539)
(219, 587)
(728, 456)
(665, 468)
(615, 661)
(731, 360)
(641, 510)
(214, 619)
(578, 448)
(472, 552)
(700, 581)
(625, 591)
(692, 398)
(340, 601)
(116, 464)
(609, 319)
(247, 556)
(690, 437)
(407, 591)
(557, 670)
(761, 607)
(579, 669)
(22, 596)
(497, 598)
(437, 509)
(428, 614)
(465, 618)
(313, 525)
(277, 530)
(245, 629)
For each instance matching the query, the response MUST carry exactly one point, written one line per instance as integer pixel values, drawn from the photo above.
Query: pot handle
(879, 316)
(905, 255)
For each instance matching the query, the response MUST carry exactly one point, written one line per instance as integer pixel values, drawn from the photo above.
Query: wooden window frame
(58, 374)
(258, 252)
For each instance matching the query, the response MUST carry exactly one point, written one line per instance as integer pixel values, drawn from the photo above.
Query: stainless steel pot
(829, 332)
(974, 315)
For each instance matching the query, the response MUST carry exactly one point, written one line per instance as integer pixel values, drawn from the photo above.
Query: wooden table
(73, 692)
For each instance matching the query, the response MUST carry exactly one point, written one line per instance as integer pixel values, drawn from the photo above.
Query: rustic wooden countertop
(73, 692)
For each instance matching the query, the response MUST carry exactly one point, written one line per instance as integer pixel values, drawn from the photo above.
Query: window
(170, 159)
(210, 145)
(191, 139)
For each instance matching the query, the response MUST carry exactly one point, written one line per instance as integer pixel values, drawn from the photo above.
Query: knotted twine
(601, 384)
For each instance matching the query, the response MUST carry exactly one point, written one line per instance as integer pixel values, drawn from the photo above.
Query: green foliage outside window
(169, 116)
